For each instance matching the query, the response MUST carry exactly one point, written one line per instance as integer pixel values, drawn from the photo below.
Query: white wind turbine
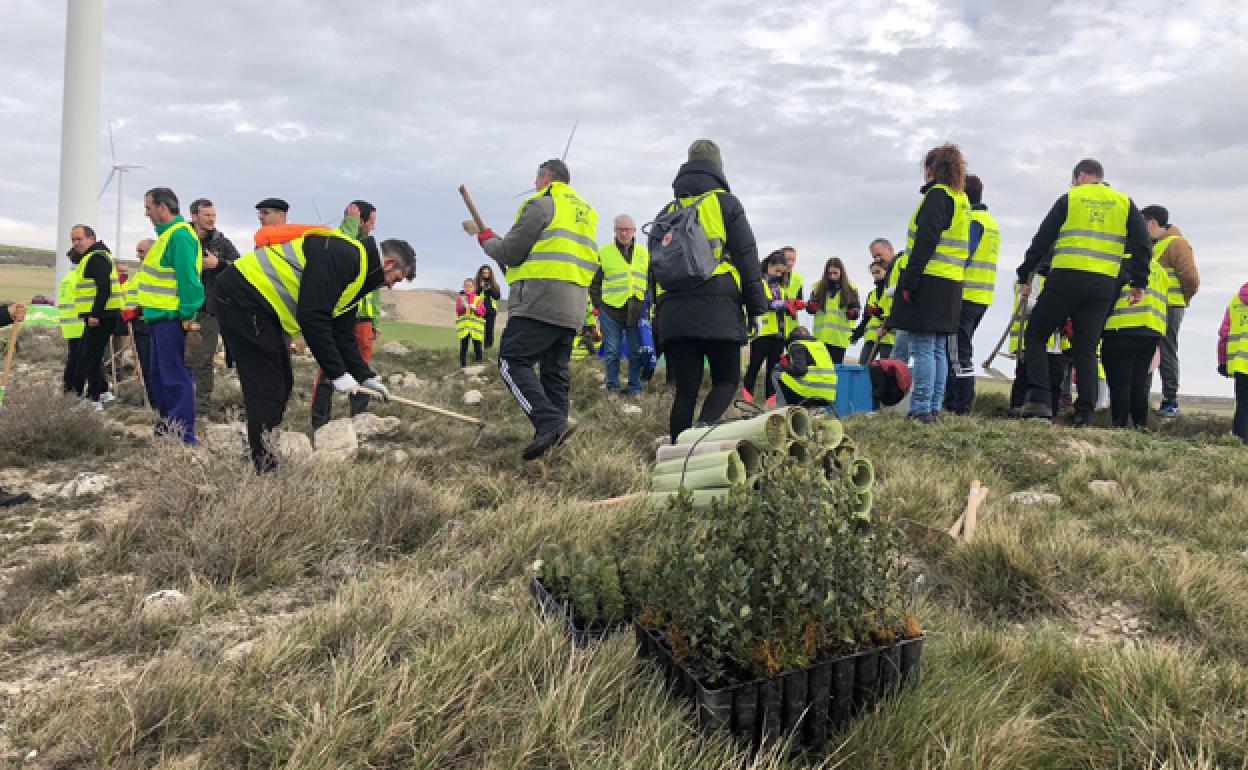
(119, 171)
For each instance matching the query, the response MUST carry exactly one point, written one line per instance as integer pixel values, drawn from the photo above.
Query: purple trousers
(171, 381)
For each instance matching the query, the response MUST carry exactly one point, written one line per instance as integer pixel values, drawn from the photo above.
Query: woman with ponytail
(928, 299)
(834, 304)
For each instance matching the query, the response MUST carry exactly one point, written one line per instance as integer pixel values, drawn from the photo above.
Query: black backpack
(681, 256)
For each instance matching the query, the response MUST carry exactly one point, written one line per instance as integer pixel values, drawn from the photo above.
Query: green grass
(418, 334)
(18, 283)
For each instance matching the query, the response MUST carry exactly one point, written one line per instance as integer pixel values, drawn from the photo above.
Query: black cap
(277, 204)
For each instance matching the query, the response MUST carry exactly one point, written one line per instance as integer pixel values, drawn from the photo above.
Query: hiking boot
(1168, 408)
(546, 441)
(12, 498)
(1035, 410)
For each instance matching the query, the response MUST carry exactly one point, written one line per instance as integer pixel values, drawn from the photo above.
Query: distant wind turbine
(119, 170)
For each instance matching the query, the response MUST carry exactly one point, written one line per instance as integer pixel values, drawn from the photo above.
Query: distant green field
(418, 334)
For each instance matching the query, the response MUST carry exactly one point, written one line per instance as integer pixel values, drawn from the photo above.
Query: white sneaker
(96, 406)
(106, 397)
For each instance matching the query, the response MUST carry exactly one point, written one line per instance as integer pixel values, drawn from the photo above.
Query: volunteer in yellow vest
(358, 222)
(619, 293)
(767, 338)
(928, 299)
(1233, 357)
(71, 324)
(169, 289)
(310, 285)
(879, 304)
(978, 283)
(808, 378)
(793, 287)
(549, 256)
(1174, 254)
(1095, 235)
(1128, 344)
(97, 302)
(469, 321)
(1057, 345)
(834, 304)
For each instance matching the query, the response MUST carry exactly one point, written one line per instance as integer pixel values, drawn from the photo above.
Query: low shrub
(39, 425)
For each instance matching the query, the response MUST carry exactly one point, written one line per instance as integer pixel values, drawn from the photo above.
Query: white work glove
(346, 383)
(890, 291)
(380, 390)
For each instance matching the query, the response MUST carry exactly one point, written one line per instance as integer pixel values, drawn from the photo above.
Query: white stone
(399, 456)
(368, 425)
(337, 437)
(396, 379)
(86, 484)
(167, 603)
(472, 397)
(476, 370)
(1035, 498)
(230, 437)
(630, 409)
(395, 348)
(1103, 487)
(292, 445)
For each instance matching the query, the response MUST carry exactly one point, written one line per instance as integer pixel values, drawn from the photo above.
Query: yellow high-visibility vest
(1237, 337)
(85, 288)
(71, 324)
(470, 324)
(820, 378)
(277, 270)
(949, 259)
(369, 308)
(711, 217)
(880, 299)
(1174, 297)
(791, 291)
(1149, 312)
(567, 250)
(156, 287)
(623, 280)
(768, 322)
(979, 280)
(832, 326)
(1094, 236)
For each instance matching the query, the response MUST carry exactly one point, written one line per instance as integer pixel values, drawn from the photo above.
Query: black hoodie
(712, 311)
(99, 268)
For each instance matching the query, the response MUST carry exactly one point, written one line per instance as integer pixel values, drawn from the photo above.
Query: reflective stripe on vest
(156, 287)
(711, 217)
(1237, 337)
(85, 288)
(71, 325)
(567, 250)
(1094, 235)
(1174, 297)
(623, 280)
(820, 378)
(832, 326)
(368, 309)
(949, 259)
(277, 270)
(1149, 312)
(979, 280)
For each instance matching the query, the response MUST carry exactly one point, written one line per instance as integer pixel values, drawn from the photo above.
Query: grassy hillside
(372, 613)
(25, 255)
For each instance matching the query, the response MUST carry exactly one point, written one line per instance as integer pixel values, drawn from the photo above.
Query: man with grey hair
(550, 256)
(619, 295)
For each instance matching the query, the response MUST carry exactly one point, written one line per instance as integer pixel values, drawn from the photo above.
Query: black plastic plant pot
(557, 609)
(890, 670)
(911, 658)
(842, 706)
(866, 677)
(820, 694)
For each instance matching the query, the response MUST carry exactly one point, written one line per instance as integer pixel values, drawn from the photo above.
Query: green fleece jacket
(180, 255)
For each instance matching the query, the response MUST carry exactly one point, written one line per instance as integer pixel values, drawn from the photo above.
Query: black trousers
(1086, 300)
(763, 349)
(1126, 358)
(1239, 423)
(837, 353)
(489, 329)
(1057, 373)
(89, 368)
(72, 351)
(463, 350)
(262, 359)
(960, 387)
(684, 364)
(527, 344)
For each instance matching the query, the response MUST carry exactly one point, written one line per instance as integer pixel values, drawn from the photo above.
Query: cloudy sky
(823, 111)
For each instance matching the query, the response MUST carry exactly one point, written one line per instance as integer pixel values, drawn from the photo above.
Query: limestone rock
(1104, 487)
(399, 456)
(166, 604)
(337, 438)
(1034, 498)
(472, 397)
(227, 438)
(85, 484)
(476, 370)
(368, 425)
(630, 409)
(293, 445)
(395, 380)
(395, 348)
(412, 381)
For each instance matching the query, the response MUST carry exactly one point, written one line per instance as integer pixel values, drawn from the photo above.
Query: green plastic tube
(725, 475)
(831, 432)
(862, 504)
(798, 421)
(681, 451)
(695, 462)
(799, 451)
(767, 431)
(862, 474)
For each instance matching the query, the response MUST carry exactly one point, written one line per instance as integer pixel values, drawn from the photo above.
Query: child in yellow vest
(469, 321)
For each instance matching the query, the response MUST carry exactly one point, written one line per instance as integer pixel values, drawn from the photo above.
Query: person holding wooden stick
(9, 314)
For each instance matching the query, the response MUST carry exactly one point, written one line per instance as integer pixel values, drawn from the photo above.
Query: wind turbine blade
(317, 209)
(107, 182)
(111, 149)
(529, 191)
(567, 146)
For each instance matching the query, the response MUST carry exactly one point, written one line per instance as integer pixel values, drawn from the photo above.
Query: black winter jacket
(218, 244)
(935, 304)
(714, 310)
(99, 268)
